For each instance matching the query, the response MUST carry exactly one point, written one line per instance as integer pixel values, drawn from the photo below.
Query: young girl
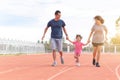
(78, 48)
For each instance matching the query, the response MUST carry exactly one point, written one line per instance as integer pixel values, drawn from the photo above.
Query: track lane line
(65, 69)
(11, 70)
(117, 71)
(59, 73)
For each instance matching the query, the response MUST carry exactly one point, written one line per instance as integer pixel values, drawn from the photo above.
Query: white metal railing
(14, 47)
(105, 49)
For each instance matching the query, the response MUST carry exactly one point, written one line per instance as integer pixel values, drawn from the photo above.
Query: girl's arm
(87, 43)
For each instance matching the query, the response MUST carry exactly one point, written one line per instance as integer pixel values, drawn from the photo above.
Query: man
(57, 27)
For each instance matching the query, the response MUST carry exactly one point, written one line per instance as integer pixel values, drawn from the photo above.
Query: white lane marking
(52, 77)
(11, 70)
(64, 70)
(117, 71)
(109, 68)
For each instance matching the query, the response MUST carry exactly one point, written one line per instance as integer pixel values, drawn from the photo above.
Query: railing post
(103, 50)
(68, 48)
(114, 49)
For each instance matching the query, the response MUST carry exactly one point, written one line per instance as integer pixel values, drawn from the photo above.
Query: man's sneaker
(97, 64)
(93, 62)
(62, 60)
(54, 64)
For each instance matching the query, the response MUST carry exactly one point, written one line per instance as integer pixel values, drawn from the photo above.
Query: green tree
(117, 22)
(116, 38)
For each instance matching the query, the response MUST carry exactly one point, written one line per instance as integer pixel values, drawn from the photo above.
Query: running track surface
(38, 67)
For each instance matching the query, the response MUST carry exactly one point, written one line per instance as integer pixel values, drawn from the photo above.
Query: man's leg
(53, 45)
(59, 47)
(61, 57)
(54, 55)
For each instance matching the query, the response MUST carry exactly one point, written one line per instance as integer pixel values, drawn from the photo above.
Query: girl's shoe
(77, 64)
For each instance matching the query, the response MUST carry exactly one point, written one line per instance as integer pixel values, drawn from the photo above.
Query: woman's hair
(78, 36)
(99, 18)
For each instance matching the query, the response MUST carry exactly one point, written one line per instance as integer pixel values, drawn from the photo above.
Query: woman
(99, 35)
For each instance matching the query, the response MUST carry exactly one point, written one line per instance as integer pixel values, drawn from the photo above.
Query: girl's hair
(78, 36)
(99, 18)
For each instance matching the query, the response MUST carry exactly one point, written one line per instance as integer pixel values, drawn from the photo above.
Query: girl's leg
(78, 62)
(78, 59)
(75, 58)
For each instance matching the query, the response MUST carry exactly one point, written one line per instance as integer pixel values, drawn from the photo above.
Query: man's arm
(64, 29)
(44, 32)
(69, 40)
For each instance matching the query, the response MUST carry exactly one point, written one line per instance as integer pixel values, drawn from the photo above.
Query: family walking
(98, 34)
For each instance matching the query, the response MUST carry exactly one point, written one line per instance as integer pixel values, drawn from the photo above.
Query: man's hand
(88, 41)
(43, 37)
(67, 38)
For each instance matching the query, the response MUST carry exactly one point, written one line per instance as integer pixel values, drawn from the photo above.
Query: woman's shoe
(97, 64)
(93, 61)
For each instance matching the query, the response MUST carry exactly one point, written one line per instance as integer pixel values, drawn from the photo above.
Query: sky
(26, 19)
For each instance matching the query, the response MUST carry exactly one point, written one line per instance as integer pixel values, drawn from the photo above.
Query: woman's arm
(87, 43)
(106, 32)
(90, 36)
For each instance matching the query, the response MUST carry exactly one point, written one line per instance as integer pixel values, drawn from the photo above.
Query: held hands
(88, 41)
(42, 38)
(67, 38)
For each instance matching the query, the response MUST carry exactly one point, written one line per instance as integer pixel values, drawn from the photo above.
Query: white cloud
(76, 13)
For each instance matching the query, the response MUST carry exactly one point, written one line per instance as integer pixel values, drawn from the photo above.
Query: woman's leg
(98, 56)
(94, 55)
(95, 52)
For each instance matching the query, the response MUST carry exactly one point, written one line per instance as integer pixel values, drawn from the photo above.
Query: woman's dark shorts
(97, 44)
